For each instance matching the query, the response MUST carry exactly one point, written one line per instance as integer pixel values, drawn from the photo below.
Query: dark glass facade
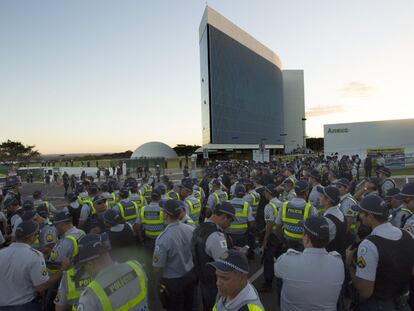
(242, 93)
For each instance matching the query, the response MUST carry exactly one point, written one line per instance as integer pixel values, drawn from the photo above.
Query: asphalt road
(55, 194)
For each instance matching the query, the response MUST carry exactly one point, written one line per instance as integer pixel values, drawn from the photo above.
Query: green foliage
(315, 143)
(15, 151)
(185, 150)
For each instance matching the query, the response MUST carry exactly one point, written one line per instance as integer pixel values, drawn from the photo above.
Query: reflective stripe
(74, 242)
(194, 210)
(275, 212)
(219, 199)
(173, 195)
(140, 201)
(253, 307)
(128, 216)
(73, 292)
(147, 191)
(250, 307)
(104, 298)
(159, 221)
(294, 221)
(404, 209)
(241, 216)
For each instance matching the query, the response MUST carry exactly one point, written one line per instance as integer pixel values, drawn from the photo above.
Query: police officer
(136, 196)
(312, 279)
(150, 221)
(14, 212)
(288, 222)
(243, 220)
(192, 204)
(86, 203)
(384, 260)
(115, 286)
(386, 182)
(371, 187)
(209, 243)
(74, 207)
(270, 243)
(407, 194)
(127, 209)
(173, 263)
(73, 283)
(121, 236)
(216, 196)
(38, 199)
(146, 189)
(330, 198)
(252, 197)
(95, 222)
(48, 235)
(399, 212)
(234, 289)
(67, 246)
(314, 179)
(23, 271)
(288, 190)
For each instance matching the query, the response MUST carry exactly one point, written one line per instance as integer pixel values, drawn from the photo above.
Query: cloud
(356, 89)
(319, 111)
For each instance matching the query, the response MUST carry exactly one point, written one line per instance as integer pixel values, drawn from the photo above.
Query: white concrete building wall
(293, 109)
(356, 138)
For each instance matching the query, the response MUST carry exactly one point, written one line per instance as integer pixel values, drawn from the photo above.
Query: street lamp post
(304, 132)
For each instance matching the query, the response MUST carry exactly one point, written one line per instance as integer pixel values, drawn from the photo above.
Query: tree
(15, 151)
(185, 150)
(315, 143)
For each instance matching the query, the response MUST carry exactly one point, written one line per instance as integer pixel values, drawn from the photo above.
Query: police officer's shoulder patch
(361, 262)
(362, 250)
(223, 244)
(49, 238)
(292, 251)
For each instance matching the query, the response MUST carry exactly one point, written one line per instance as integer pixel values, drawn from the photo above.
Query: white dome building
(154, 149)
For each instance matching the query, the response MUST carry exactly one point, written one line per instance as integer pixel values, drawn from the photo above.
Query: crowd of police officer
(326, 240)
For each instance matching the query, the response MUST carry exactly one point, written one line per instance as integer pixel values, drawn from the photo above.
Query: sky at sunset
(106, 76)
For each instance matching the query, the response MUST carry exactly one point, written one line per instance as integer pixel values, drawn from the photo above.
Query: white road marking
(256, 275)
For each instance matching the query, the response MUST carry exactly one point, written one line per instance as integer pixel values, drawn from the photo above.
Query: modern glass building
(241, 86)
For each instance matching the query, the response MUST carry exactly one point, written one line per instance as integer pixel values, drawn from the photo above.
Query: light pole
(304, 132)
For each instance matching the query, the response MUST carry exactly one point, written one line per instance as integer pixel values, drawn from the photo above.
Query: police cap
(331, 192)
(172, 207)
(232, 260)
(314, 173)
(42, 210)
(99, 199)
(10, 200)
(317, 227)
(392, 194)
(26, 229)
(240, 189)
(385, 170)
(111, 217)
(28, 205)
(226, 207)
(62, 217)
(343, 182)
(407, 192)
(372, 204)
(301, 186)
(187, 183)
(91, 246)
